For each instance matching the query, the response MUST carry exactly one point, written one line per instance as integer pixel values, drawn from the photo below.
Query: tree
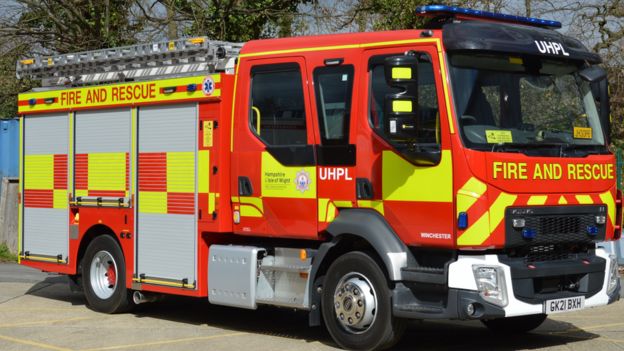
(231, 20)
(59, 26)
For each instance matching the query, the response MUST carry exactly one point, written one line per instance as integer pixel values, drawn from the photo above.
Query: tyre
(103, 276)
(357, 304)
(520, 324)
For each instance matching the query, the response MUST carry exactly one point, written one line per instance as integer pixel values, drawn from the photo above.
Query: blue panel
(9, 148)
(452, 10)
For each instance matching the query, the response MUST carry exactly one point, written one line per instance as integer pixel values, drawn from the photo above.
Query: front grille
(554, 225)
(548, 253)
(544, 253)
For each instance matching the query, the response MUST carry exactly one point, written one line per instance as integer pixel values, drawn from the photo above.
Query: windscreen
(523, 103)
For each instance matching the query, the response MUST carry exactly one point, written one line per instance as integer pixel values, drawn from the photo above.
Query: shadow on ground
(429, 335)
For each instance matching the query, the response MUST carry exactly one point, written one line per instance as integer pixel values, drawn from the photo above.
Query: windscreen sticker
(498, 136)
(515, 60)
(582, 133)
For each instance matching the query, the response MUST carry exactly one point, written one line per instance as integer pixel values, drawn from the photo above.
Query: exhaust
(139, 297)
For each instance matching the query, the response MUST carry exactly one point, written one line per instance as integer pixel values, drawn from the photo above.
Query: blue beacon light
(453, 10)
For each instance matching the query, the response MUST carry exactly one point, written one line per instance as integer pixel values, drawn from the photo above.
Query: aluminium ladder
(174, 58)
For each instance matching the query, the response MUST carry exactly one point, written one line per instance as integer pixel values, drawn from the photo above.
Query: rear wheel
(103, 273)
(520, 324)
(356, 304)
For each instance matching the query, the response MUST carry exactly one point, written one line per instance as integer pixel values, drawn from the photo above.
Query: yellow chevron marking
(376, 205)
(477, 233)
(497, 210)
(322, 209)
(537, 200)
(249, 211)
(331, 212)
(607, 199)
(344, 204)
(584, 199)
(469, 194)
(254, 201)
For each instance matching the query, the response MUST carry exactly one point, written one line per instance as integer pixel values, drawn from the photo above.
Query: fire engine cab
(460, 171)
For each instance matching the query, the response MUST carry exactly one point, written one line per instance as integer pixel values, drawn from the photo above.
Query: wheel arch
(92, 233)
(357, 229)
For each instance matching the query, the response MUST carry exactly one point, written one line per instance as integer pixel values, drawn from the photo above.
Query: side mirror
(600, 91)
(593, 74)
(597, 78)
(401, 109)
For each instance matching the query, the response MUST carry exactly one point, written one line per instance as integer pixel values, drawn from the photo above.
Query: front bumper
(410, 301)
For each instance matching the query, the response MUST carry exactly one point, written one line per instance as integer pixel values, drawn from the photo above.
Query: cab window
(333, 87)
(277, 111)
(427, 113)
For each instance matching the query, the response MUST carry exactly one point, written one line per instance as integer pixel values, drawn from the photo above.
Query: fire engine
(459, 171)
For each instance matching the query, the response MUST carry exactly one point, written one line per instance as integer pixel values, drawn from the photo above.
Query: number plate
(564, 305)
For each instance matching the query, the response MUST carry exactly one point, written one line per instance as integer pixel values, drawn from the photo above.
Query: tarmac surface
(39, 312)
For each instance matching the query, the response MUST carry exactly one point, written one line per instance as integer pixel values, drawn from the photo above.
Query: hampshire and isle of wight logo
(302, 181)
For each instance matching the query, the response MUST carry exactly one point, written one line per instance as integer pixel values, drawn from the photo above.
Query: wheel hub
(103, 271)
(355, 303)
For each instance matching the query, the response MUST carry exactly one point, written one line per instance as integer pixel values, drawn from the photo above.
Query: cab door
(332, 98)
(273, 163)
(416, 199)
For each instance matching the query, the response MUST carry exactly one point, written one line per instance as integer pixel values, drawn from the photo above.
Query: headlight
(491, 284)
(613, 275)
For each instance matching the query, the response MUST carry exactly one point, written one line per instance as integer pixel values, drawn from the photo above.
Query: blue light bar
(452, 10)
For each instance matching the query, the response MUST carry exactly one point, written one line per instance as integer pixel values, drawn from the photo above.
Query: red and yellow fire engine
(461, 171)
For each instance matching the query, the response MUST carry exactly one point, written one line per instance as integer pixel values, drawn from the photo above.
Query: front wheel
(520, 324)
(356, 304)
(103, 272)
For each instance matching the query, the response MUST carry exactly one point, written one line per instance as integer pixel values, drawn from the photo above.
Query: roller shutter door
(102, 154)
(45, 194)
(167, 194)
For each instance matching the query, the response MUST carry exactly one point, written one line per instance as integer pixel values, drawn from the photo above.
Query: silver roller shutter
(102, 147)
(45, 199)
(167, 192)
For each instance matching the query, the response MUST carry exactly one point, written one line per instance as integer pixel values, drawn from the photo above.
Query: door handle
(244, 186)
(363, 189)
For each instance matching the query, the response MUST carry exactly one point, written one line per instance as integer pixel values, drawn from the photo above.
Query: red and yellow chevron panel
(486, 206)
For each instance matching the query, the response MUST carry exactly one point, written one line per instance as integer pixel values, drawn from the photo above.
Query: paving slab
(39, 312)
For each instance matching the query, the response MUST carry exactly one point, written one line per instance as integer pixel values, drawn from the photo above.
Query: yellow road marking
(10, 325)
(33, 343)
(164, 342)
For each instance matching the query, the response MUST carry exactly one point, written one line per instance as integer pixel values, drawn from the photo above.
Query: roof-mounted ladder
(129, 63)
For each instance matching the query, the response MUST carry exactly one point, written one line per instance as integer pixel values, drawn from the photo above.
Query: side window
(277, 111)
(333, 88)
(428, 114)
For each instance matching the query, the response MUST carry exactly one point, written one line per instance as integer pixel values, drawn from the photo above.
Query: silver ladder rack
(173, 58)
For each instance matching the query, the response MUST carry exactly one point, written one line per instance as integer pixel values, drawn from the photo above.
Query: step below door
(45, 205)
(167, 195)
